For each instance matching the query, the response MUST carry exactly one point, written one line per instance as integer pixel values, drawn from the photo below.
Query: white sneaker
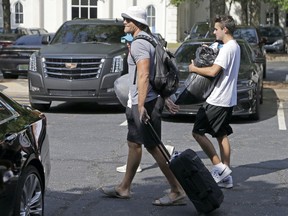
(219, 175)
(170, 149)
(226, 182)
(122, 169)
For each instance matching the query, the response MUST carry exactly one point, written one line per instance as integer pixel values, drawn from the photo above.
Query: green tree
(282, 4)
(6, 16)
(216, 6)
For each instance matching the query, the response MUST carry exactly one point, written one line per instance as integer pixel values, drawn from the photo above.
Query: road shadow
(85, 108)
(263, 195)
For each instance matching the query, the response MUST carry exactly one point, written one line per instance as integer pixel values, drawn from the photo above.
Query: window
(5, 114)
(84, 9)
(151, 18)
(18, 13)
(269, 18)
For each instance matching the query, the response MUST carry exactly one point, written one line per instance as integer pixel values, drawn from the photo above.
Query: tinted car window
(186, 53)
(4, 112)
(244, 55)
(89, 33)
(248, 34)
(272, 32)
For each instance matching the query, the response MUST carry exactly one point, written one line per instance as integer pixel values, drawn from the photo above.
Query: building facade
(168, 20)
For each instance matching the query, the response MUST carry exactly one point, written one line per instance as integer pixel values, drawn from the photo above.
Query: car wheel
(264, 70)
(256, 116)
(41, 107)
(30, 193)
(261, 95)
(9, 76)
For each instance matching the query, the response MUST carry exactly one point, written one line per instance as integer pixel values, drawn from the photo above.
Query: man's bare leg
(133, 161)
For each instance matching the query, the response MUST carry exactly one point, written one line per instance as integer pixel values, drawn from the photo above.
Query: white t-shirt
(225, 91)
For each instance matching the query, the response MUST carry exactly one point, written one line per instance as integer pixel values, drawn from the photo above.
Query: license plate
(23, 67)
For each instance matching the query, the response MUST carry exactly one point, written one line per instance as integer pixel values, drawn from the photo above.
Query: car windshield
(186, 53)
(248, 34)
(78, 33)
(271, 32)
(201, 29)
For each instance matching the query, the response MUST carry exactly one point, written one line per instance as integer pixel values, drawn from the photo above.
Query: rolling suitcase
(194, 177)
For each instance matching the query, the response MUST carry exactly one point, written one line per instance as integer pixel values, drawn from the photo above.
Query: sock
(220, 166)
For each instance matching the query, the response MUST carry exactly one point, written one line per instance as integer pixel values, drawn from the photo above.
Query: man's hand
(192, 67)
(144, 117)
(171, 106)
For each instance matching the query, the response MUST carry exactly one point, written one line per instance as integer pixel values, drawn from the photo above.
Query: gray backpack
(166, 75)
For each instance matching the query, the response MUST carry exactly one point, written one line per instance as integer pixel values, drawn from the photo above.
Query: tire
(256, 116)
(29, 194)
(264, 71)
(41, 107)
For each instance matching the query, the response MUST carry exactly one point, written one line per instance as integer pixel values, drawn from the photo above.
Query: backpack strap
(147, 38)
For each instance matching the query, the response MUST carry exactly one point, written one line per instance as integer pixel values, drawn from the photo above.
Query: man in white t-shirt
(215, 114)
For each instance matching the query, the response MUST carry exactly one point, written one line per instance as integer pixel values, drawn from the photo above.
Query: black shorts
(140, 133)
(213, 120)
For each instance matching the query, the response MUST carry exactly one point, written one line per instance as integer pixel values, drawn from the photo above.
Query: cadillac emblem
(70, 65)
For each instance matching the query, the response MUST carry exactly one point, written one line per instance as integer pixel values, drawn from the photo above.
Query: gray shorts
(141, 133)
(213, 120)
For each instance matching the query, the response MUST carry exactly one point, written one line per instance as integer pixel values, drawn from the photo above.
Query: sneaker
(170, 149)
(219, 175)
(122, 169)
(226, 182)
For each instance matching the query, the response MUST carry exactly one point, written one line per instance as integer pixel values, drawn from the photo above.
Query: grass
(173, 46)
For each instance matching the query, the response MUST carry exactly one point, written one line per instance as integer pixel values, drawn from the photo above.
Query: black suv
(253, 37)
(276, 39)
(81, 63)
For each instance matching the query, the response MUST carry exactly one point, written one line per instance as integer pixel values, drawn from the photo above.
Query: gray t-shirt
(140, 49)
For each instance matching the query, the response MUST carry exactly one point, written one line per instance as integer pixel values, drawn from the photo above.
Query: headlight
(32, 63)
(117, 65)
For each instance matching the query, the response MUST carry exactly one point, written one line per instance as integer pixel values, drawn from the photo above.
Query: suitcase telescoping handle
(161, 145)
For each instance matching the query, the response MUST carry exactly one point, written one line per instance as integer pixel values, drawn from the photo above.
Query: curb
(275, 85)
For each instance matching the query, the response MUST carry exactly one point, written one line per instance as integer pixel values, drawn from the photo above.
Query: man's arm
(143, 67)
(211, 71)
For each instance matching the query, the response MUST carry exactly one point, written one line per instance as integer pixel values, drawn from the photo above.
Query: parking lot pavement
(260, 172)
(17, 90)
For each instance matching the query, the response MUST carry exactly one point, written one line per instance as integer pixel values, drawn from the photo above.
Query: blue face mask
(128, 38)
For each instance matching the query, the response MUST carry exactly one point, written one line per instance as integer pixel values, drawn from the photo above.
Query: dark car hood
(21, 47)
(100, 49)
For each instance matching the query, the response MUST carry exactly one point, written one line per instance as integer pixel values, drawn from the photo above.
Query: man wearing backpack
(145, 106)
(215, 114)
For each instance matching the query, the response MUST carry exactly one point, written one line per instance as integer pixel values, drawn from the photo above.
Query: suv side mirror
(46, 39)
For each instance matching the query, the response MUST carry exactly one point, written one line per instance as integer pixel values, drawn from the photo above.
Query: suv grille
(72, 68)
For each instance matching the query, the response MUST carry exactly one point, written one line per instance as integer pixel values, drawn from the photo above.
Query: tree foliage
(282, 4)
(6, 16)
(178, 2)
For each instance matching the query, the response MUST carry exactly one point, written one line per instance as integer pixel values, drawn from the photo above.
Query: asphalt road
(87, 143)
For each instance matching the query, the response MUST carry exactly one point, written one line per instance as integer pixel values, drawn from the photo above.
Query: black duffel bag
(197, 88)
